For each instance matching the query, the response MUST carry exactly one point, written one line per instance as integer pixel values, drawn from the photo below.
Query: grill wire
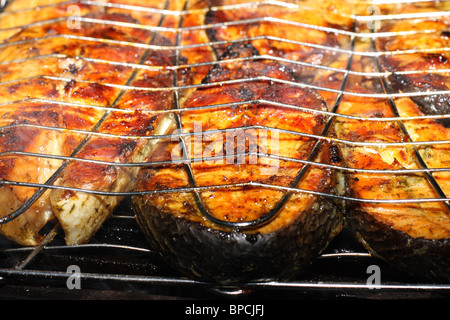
(119, 240)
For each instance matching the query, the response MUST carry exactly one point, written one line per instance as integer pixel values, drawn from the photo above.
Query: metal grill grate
(22, 265)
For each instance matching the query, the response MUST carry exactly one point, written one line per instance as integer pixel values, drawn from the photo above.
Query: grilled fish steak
(414, 236)
(61, 77)
(81, 214)
(426, 56)
(201, 247)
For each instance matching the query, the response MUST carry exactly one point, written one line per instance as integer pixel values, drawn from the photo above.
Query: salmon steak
(76, 90)
(228, 213)
(404, 160)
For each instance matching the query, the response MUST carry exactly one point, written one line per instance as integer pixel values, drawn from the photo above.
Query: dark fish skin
(438, 104)
(420, 258)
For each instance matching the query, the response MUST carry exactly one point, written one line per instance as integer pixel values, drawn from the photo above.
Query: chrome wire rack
(118, 245)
